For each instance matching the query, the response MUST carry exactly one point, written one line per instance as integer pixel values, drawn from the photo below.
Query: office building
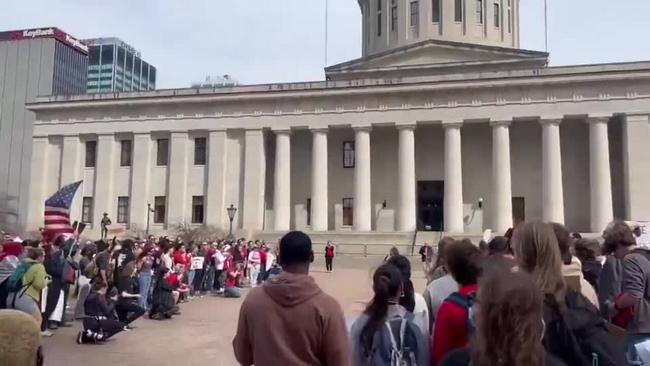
(114, 66)
(33, 62)
(443, 111)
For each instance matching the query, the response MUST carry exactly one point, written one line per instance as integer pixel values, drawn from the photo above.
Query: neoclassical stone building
(443, 124)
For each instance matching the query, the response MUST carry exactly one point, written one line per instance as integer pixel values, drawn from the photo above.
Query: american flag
(57, 213)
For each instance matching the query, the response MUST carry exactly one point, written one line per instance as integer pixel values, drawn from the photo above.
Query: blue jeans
(190, 278)
(144, 284)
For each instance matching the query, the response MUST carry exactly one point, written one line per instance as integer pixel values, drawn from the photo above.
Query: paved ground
(202, 335)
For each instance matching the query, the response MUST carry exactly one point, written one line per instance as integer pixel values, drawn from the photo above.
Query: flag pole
(546, 25)
(326, 28)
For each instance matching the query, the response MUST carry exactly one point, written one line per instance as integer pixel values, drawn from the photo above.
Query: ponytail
(387, 282)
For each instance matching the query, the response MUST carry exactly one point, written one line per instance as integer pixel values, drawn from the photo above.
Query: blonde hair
(537, 252)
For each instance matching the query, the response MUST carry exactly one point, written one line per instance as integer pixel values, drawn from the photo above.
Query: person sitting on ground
(386, 328)
(412, 301)
(127, 307)
(574, 330)
(300, 324)
(588, 251)
(24, 286)
(163, 301)
(20, 339)
(178, 283)
(509, 326)
(451, 329)
(233, 272)
(100, 323)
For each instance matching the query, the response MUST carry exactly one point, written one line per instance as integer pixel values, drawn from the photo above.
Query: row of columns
(552, 191)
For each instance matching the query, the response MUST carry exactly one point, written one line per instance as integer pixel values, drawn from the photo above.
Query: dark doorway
(518, 210)
(431, 195)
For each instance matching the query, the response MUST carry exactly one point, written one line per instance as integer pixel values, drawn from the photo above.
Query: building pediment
(436, 57)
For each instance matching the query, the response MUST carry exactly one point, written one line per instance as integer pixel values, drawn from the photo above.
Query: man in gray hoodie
(290, 320)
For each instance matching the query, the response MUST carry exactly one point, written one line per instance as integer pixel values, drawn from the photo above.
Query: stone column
(140, 180)
(362, 191)
(552, 191)
(216, 214)
(406, 178)
(105, 200)
(319, 177)
(38, 182)
(636, 166)
(501, 180)
(453, 205)
(254, 181)
(177, 199)
(600, 180)
(282, 181)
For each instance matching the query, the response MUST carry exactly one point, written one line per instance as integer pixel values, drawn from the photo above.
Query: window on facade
(162, 152)
(159, 209)
(379, 24)
(122, 210)
(348, 154)
(393, 15)
(87, 210)
(125, 153)
(415, 12)
(197, 209)
(91, 154)
(348, 211)
(458, 10)
(479, 11)
(435, 11)
(497, 14)
(107, 54)
(509, 16)
(199, 151)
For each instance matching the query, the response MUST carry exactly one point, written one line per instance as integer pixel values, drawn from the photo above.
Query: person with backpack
(453, 325)
(509, 326)
(10, 254)
(386, 334)
(574, 331)
(24, 286)
(411, 300)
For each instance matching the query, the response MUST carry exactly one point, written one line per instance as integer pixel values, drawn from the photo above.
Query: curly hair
(509, 321)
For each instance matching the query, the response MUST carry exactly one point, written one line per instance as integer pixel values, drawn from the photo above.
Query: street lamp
(149, 211)
(231, 215)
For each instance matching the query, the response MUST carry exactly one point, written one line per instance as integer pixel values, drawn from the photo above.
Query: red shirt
(180, 258)
(450, 330)
(263, 258)
(173, 280)
(231, 280)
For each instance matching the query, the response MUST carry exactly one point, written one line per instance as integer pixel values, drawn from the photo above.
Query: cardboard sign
(644, 239)
(197, 263)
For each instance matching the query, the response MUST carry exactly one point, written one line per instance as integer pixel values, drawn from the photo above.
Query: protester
(163, 302)
(300, 324)
(271, 264)
(509, 328)
(439, 269)
(574, 331)
(83, 282)
(103, 261)
(219, 260)
(20, 341)
(329, 256)
(451, 329)
(99, 324)
(10, 254)
(254, 263)
(438, 290)
(233, 272)
(571, 266)
(144, 266)
(391, 253)
(127, 307)
(588, 251)
(411, 301)
(611, 276)
(386, 334)
(54, 263)
(25, 284)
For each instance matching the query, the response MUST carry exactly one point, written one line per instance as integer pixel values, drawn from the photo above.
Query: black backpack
(578, 335)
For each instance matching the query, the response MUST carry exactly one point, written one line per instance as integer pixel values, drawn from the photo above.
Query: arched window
(458, 10)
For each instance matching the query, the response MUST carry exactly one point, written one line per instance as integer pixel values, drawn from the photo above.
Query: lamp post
(149, 211)
(231, 215)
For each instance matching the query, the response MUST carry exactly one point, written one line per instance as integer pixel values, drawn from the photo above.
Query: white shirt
(219, 260)
(270, 258)
(421, 314)
(254, 258)
(167, 261)
(439, 290)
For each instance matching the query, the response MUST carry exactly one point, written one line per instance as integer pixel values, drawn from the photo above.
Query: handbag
(69, 273)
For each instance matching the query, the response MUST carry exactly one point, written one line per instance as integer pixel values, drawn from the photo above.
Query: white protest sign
(197, 263)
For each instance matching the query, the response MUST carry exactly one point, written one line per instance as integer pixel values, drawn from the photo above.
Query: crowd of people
(536, 296)
(116, 282)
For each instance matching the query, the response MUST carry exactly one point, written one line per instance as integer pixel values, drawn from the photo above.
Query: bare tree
(191, 233)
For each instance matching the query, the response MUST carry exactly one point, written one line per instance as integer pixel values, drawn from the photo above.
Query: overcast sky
(259, 41)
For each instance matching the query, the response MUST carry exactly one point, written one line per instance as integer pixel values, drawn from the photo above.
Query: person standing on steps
(105, 223)
(329, 256)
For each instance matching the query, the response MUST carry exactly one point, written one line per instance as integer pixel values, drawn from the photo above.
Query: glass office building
(114, 66)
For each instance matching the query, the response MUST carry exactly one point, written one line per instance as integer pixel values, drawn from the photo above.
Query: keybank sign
(33, 33)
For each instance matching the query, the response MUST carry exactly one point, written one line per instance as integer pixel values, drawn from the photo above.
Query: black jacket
(96, 305)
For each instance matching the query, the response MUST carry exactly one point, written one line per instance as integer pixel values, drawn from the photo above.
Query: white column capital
(408, 126)
(362, 128)
(452, 124)
(550, 121)
(504, 123)
(598, 119)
